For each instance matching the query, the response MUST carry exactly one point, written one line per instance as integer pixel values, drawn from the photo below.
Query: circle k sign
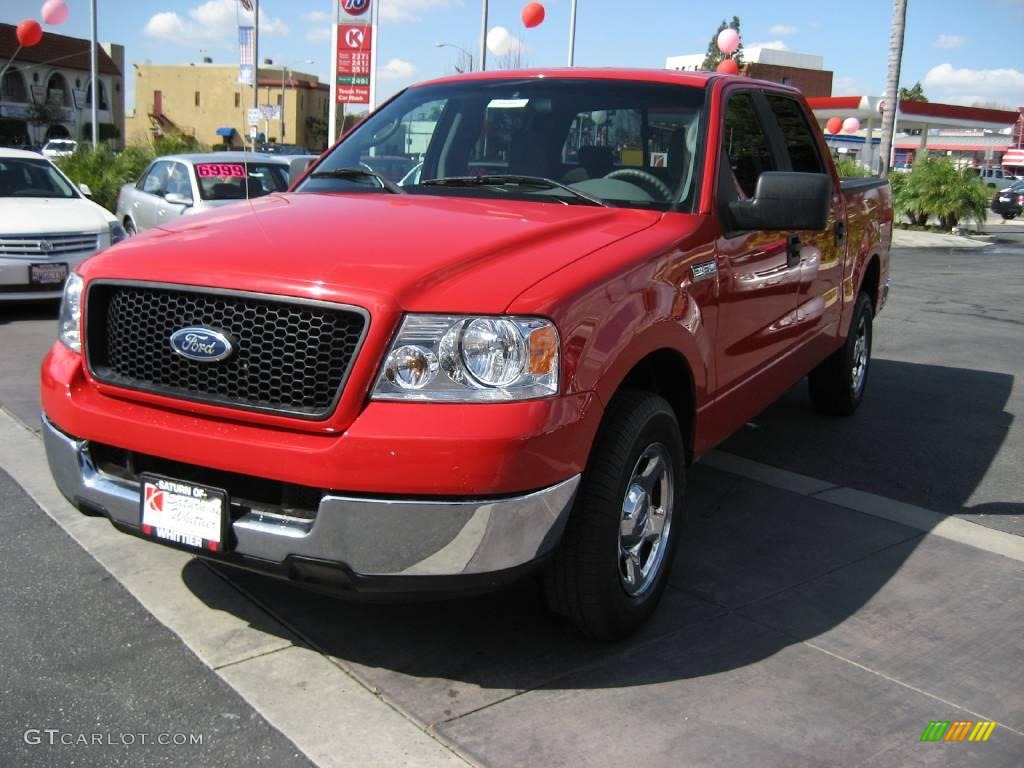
(355, 7)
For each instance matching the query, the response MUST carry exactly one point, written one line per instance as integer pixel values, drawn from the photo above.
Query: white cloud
(969, 86)
(166, 26)
(213, 22)
(949, 41)
(407, 10)
(847, 86)
(510, 46)
(782, 30)
(317, 17)
(397, 69)
(318, 34)
(775, 45)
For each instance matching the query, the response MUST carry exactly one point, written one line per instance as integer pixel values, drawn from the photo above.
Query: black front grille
(290, 356)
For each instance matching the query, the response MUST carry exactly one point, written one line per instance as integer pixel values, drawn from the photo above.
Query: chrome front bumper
(370, 537)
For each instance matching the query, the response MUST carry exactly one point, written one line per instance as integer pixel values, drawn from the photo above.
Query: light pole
(458, 48)
(286, 79)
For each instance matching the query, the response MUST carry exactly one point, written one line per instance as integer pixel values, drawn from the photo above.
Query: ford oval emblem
(203, 345)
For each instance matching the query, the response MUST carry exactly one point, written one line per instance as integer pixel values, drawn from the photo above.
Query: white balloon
(600, 117)
(499, 41)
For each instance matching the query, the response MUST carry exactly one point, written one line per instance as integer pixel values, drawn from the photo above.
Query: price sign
(220, 170)
(355, 49)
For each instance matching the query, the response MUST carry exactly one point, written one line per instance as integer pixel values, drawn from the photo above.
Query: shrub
(936, 188)
(846, 167)
(105, 172)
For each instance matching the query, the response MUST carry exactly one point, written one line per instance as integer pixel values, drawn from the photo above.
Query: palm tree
(892, 83)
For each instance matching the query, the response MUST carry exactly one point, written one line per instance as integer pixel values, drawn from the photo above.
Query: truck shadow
(750, 555)
(925, 435)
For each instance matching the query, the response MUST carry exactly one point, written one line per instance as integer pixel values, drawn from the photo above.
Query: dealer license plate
(47, 274)
(184, 513)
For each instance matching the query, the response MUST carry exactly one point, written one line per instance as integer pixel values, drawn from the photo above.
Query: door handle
(161, 211)
(793, 246)
(840, 232)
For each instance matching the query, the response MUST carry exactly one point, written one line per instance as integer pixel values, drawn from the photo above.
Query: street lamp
(284, 76)
(458, 48)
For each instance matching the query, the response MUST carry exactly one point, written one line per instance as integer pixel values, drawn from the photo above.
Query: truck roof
(672, 76)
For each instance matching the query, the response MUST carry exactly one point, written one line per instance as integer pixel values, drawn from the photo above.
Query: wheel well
(667, 373)
(872, 276)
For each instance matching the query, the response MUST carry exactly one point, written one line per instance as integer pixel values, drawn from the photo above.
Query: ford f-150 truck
(502, 363)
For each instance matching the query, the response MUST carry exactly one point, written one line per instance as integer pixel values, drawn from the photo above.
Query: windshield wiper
(511, 178)
(352, 174)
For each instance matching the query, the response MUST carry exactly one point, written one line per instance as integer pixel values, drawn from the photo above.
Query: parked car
(1009, 202)
(182, 185)
(283, 149)
(371, 388)
(55, 148)
(47, 227)
(993, 176)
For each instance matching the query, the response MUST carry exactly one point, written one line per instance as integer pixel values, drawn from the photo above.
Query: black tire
(129, 227)
(586, 581)
(837, 385)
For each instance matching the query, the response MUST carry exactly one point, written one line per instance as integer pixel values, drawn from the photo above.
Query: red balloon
(728, 67)
(29, 33)
(532, 15)
(834, 125)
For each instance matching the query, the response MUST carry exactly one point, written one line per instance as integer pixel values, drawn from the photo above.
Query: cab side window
(745, 147)
(796, 133)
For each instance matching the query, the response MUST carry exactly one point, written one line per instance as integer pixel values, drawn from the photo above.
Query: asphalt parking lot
(841, 585)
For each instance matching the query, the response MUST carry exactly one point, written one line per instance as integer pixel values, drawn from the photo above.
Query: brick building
(801, 70)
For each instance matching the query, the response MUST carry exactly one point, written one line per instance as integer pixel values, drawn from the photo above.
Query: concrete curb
(932, 523)
(328, 714)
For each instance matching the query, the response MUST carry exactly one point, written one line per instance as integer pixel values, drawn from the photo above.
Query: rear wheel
(613, 564)
(837, 385)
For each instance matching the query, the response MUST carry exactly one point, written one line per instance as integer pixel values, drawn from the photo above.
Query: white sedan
(47, 227)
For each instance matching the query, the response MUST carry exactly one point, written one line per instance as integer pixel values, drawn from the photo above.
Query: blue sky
(964, 51)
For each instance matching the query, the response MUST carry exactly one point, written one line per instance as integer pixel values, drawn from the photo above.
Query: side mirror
(785, 200)
(174, 198)
(84, 189)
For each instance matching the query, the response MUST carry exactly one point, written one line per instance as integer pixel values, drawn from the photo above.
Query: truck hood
(419, 252)
(51, 216)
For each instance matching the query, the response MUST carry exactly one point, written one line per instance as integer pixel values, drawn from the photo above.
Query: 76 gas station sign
(354, 54)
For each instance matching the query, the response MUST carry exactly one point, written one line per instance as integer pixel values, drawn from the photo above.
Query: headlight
(117, 233)
(69, 321)
(455, 358)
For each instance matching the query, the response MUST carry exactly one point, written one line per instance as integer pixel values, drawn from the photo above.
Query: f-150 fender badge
(704, 271)
(203, 345)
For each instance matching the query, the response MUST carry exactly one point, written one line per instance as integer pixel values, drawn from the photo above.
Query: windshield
(228, 181)
(27, 177)
(626, 143)
(61, 144)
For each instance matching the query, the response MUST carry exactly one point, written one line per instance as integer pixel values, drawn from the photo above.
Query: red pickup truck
(503, 361)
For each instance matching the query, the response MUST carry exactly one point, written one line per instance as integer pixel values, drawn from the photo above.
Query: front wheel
(613, 564)
(837, 385)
